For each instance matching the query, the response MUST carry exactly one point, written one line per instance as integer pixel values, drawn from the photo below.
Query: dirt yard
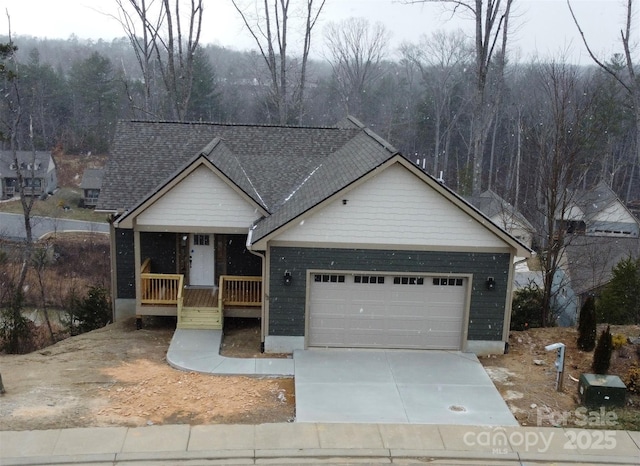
(526, 377)
(117, 376)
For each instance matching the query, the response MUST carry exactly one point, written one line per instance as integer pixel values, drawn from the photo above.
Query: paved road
(12, 226)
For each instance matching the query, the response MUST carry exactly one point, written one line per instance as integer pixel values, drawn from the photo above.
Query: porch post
(266, 259)
(138, 264)
(114, 273)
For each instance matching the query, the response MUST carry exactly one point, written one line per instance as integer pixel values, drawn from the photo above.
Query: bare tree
(174, 50)
(441, 59)
(143, 39)
(491, 19)
(269, 27)
(558, 128)
(12, 114)
(625, 75)
(356, 51)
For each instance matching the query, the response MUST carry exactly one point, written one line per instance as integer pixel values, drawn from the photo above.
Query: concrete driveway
(379, 386)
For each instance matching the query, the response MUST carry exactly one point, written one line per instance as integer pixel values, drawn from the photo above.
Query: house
(591, 259)
(601, 231)
(90, 185)
(563, 299)
(38, 169)
(329, 235)
(504, 215)
(599, 212)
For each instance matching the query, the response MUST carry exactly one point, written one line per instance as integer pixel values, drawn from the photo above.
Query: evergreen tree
(587, 325)
(94, 92)
(619, 302)
(526, 309)
(602, 354)
(204, 102)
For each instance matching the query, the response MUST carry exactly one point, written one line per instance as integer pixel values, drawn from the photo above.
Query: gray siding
(125, 264)
(161, 249)
(287, 303)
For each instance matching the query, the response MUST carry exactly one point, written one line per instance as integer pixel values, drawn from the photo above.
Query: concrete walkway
(318, 443)
(365, 386)
(199, 351)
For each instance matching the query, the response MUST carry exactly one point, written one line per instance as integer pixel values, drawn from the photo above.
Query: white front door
(201, 260)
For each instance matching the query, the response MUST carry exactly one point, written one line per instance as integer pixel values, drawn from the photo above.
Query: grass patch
(63, 204)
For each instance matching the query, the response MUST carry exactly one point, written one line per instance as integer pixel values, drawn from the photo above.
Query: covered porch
(198, 307)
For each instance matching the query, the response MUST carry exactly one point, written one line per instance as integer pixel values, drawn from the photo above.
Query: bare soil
(526, 378)
(118, 376)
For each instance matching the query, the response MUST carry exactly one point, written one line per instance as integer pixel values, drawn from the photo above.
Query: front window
(33, 182)
(91, 195)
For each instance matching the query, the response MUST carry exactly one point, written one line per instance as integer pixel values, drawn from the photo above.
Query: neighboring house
(504, 215)
(600, 232)
(90, 185)
(328, 234)
(599, 212)
(590, 261)
(38, 171)
(563, 299)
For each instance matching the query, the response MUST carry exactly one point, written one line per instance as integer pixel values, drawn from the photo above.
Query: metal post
(559, 363)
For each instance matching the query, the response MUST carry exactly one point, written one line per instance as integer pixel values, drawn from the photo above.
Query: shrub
(632, 380)
(602, 354)
(15, 329)
(618, 341)
(526, 309)
(91, 312)
(587, 325)
(619, 302)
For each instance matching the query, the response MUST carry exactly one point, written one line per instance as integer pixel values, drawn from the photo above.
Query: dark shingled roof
(287, 170)
(592, 258)
(595, 200)
(24, 158)
(490, 204)
(92, 178)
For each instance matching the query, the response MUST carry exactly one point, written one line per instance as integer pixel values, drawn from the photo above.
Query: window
(328, 278)
(91, 196)
(408, 280)
(369, 279)
(201, 240)
(33, 182)
(447, 281)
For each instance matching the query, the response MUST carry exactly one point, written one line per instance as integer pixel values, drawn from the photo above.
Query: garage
(374, 310)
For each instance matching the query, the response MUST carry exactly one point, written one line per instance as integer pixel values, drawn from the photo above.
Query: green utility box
(601, 390)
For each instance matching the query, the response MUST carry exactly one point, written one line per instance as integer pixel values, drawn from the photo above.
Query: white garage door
(386, 311)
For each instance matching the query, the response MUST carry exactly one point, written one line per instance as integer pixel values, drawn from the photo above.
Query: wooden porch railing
(161, 288)
(240, 291)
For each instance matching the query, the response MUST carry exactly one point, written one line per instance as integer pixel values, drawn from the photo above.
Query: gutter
(263, 323)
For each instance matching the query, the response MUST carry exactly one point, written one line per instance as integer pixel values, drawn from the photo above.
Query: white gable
(614, 213)
(573, 212)
(393, 208)
(201, 199)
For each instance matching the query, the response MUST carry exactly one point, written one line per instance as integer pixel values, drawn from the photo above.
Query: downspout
(112, 263)
(263, 325)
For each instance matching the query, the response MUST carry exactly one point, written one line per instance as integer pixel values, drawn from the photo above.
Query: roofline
(173, 180)
(214, 123)
(521, 250)
(276, 231)
(470, 209)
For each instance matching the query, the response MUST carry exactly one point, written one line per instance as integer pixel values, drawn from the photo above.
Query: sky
(542, 28)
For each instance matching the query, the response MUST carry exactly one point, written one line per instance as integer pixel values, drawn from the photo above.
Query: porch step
(200, 318)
